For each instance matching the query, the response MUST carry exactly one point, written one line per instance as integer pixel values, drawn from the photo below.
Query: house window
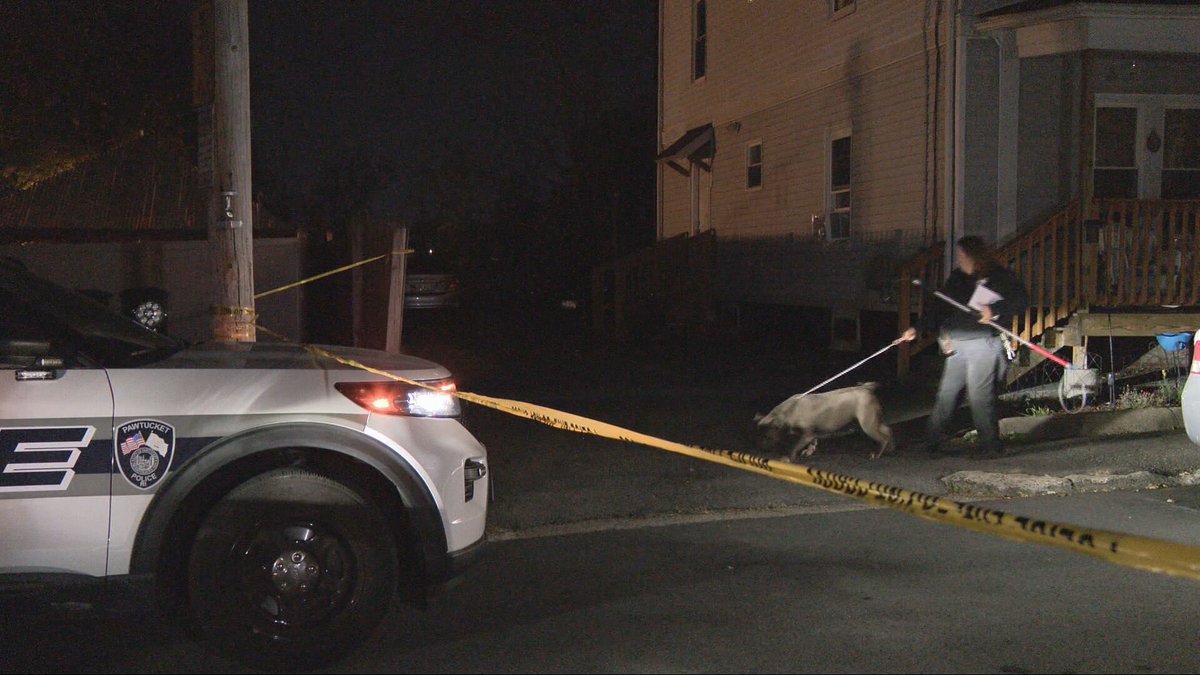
(840, 8)
(1181, 154)
(754, 165)
(1146, 147)
(839, 188)
(699, 39)
(1116, 170)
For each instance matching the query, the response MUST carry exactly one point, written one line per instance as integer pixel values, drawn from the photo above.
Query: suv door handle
(43, 368)
(27, 374)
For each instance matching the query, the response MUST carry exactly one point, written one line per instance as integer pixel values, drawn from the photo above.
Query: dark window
(1181, 154)
(20, 333)
(700, 40)
(1116, 157)
(841, 7)
(754, 165)
(839, 188)
(80, 328)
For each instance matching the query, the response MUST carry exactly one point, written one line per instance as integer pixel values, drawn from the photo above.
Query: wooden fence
(664, 287)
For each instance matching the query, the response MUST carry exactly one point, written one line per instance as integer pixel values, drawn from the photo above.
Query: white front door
(1147, 147)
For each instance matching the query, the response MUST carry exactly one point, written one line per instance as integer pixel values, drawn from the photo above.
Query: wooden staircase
(1127, 256)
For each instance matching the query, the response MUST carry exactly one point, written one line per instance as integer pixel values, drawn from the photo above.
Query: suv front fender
(183, 499)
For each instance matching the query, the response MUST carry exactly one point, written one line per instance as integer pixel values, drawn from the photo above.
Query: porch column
(1008, 134)
(1090, 253)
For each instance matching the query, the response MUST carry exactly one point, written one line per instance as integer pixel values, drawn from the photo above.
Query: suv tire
(291, 569)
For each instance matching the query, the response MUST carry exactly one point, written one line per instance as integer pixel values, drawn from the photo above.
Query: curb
(1061, 426)
(992, 484)
(1092, 424)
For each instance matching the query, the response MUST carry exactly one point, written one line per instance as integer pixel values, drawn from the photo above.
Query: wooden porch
(1127, 268)
(666, 288)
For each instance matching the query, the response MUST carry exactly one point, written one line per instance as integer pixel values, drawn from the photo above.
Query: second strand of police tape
(1123, 549)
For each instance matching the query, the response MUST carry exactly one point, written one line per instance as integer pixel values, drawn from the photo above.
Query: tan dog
(816, 415)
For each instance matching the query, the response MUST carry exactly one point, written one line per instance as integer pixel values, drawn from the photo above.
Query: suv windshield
(78, 327)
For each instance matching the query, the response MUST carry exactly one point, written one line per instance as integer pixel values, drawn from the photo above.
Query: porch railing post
(904, 349)
(1089, 256)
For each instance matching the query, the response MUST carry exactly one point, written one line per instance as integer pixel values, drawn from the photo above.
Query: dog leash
(881, 350)
(951, 301)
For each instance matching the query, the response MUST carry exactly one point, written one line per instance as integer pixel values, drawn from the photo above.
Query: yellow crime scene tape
(1130, 550)
(224, 310)
(322, 275)
(1144, 553)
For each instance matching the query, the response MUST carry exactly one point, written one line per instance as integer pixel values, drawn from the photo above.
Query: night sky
(516, 136)
(489, 88)
(418, 81)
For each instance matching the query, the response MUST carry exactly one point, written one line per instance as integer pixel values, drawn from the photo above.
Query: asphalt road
(837, 589)
(611, 557)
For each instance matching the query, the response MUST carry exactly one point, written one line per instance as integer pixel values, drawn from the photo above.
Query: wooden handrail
(1049, 259)
(1147, 252)
(1127, 253)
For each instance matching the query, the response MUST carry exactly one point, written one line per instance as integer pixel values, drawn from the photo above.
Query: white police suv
(277, 501)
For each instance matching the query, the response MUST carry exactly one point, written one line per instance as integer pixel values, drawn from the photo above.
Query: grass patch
(1038, 410)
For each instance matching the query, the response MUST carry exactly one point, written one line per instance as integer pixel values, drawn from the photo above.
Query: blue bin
(1173, 342)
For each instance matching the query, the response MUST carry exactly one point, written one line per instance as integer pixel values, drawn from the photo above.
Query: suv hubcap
(295, 575)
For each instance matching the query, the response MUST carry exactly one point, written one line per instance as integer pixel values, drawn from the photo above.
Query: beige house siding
(972, 117)
(786, 75)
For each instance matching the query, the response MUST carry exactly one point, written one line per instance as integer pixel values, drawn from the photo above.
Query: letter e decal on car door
(40, 458)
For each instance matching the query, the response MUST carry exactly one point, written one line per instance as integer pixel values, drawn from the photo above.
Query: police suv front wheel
(291, 568)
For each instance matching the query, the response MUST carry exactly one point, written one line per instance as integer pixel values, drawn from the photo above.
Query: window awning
(696, 144)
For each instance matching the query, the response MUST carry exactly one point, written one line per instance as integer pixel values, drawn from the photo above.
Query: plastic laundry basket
(1173, 342)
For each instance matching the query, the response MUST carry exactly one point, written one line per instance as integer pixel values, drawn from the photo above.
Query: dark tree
(78, 77)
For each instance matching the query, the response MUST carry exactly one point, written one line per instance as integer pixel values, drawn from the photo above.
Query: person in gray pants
(976, 359)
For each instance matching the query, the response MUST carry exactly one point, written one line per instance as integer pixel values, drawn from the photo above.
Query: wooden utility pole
(356, 281)
(398, 267)
(231, 222)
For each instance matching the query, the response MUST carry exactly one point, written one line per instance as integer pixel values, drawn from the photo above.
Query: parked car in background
(275, 502)
(1191, 394)
(429, 282)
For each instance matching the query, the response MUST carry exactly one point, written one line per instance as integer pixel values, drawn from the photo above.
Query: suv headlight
(401, 398)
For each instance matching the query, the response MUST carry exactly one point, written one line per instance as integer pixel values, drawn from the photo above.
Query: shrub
(1166, 395)
(1038, 410)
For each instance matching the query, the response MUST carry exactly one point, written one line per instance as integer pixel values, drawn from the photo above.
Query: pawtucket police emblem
(144, 449)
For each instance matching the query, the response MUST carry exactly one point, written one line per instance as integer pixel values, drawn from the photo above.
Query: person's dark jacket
(941, 316)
